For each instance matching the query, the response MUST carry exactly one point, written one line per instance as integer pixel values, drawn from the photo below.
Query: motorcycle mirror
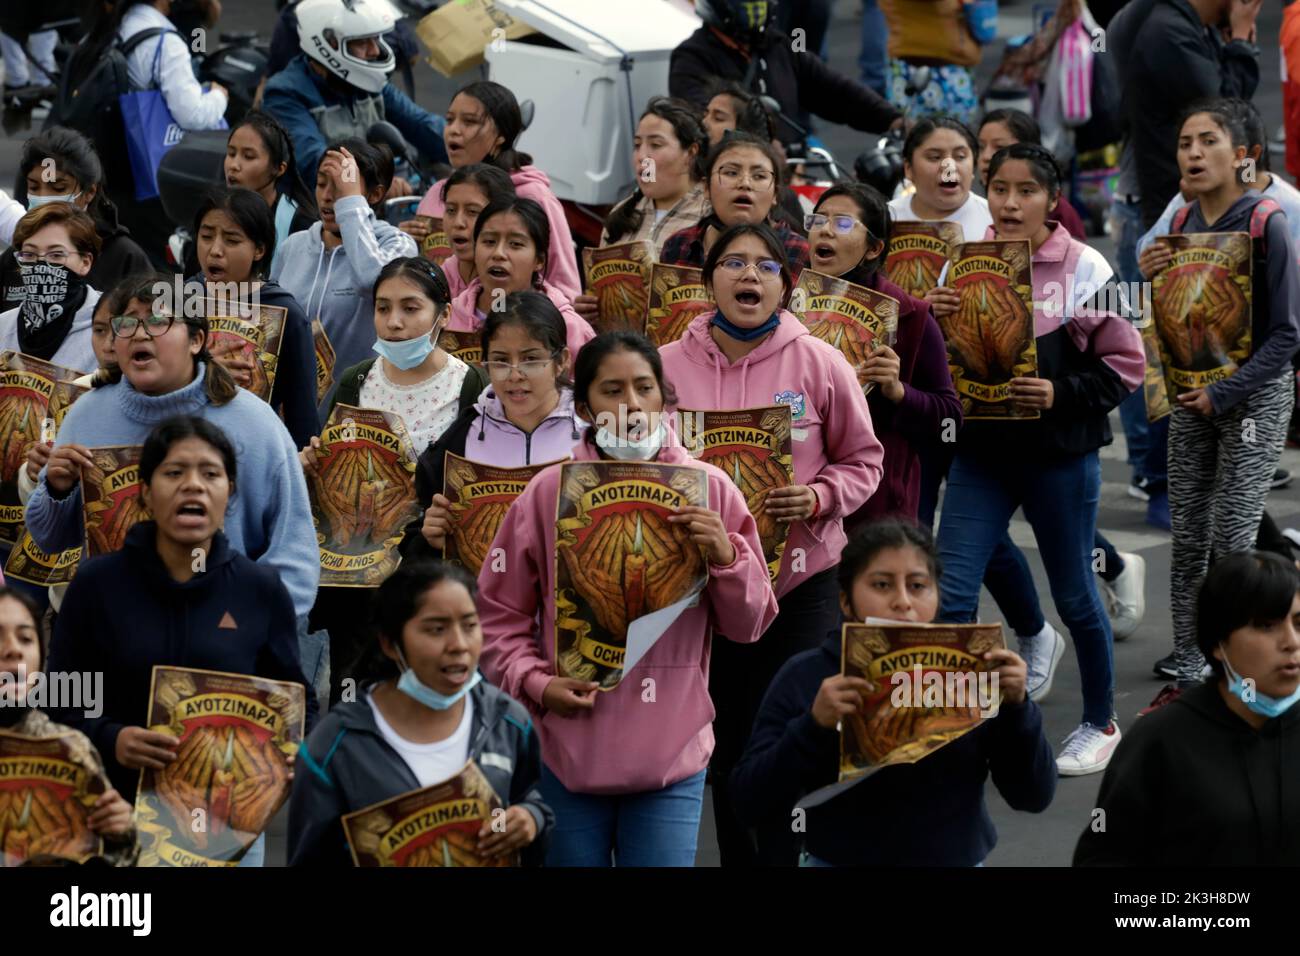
(388, 134)
(526, 110)
(770, 104)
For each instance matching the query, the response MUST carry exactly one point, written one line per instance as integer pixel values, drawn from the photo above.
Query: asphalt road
(1047, 839)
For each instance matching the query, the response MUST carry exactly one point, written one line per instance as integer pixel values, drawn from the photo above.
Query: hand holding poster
(110, 493)
(249, 333)
(238, 735)
(619, 277)
(677, 295)
(623, 572)
(753, 446)
(854, 319)
(47, 793)
(918, 251)
(991, 335)
(362, 495)
(436, 826)
(480, 496)
(34, 397)
(1202, 304)
(930, 683)
(435, 246)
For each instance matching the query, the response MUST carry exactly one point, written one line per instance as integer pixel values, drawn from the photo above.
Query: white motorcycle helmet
(326, 26)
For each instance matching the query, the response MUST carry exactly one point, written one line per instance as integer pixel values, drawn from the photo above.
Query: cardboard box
(458, 34)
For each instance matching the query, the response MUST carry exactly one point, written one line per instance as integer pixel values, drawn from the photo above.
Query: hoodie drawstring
(320, 306)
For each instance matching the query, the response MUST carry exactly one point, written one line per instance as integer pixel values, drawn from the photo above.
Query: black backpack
(91, 106)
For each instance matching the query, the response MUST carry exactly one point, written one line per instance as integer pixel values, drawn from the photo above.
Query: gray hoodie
(335, 285)
(345, 764)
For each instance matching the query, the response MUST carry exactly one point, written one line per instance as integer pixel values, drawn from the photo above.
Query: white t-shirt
(973, 215)
(431, 763)
(428, 408)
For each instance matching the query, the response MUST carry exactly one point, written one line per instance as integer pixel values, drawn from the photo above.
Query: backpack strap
(126, 46)
(1259, 217)
(475, 381)
(1180, 218)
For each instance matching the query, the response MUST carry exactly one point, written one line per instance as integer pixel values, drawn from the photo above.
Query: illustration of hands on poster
(930, 685)
(624, 573)
(852, 318)
(238, 735)
(47, 794)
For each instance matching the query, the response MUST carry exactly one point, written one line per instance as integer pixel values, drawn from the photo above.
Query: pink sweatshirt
(835, 449)
(626, 744)
(531, 183)
(465, 316)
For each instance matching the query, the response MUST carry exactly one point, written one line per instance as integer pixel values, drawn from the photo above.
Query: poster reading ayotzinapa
(623, 572)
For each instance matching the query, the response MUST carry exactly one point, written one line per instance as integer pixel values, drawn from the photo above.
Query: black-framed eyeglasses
(55, 257)
(124, 326)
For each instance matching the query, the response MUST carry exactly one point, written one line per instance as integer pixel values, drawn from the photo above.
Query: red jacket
(1290, 40)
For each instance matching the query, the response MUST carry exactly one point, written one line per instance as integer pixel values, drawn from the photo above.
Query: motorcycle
(881, 165)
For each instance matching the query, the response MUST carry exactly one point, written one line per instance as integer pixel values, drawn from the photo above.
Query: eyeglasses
(57, 257)
(843, 225)
(735, 267)
(124, 326)
(500, 371)
(733, 175)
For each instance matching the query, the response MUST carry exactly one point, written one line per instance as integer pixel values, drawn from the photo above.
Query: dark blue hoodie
(124, 613)
(930, 813)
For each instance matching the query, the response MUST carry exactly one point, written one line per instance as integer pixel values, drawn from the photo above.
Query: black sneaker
(1167, 667)
(1281, 478)
(1139, 488)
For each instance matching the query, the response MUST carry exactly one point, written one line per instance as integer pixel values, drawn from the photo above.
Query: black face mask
(52, 296)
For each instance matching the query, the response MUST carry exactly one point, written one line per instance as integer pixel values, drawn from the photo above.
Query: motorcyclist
(740, 41)
(338, 87)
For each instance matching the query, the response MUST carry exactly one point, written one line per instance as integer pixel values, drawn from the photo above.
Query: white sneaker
(1087, 750)
(1125, 597)
(1042, 653)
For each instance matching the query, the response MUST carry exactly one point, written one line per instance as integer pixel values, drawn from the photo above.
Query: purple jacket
(483, 434)
(929, 399)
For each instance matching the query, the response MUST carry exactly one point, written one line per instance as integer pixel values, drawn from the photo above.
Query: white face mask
(645, 448)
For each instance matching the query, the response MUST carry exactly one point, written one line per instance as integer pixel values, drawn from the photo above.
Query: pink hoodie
(531, 183)
(465, 316)
(627, 743)
(835, 449)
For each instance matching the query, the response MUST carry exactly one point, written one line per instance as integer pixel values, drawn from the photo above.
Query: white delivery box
(589, 96)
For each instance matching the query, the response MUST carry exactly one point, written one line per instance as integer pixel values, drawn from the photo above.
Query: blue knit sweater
(269, 517)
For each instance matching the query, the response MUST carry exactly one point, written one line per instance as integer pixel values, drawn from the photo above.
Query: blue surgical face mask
(411, 686)
(408, 353)
(36, 202)
(1261, 704)
(645, 448)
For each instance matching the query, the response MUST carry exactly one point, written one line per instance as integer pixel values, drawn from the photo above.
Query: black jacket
(120, 256)
(930, 813)
(799, 82)
(1168, 59)
(347, 765)
(124, 613)
(1193, 785)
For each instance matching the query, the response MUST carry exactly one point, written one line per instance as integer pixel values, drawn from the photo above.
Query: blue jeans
(1007, 576)
(256, 855)
(1059, 497)
(314, 656)
(654, 828)
(875, 41)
